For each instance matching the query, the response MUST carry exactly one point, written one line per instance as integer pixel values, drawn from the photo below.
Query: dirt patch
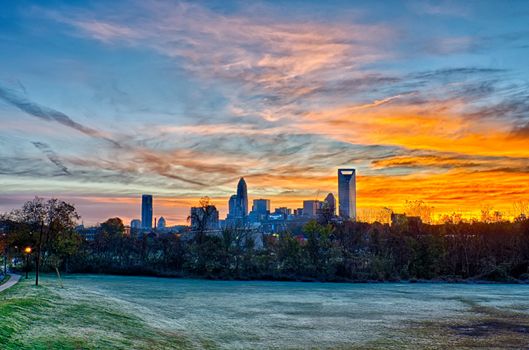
(483, 329)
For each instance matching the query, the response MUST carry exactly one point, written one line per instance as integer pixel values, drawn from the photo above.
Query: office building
(260, 210)
(261, 206)
(311, 208)
(283, 211)
(347, 193)
(146, 211)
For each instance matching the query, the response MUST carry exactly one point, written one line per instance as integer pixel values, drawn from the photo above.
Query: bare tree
(421, 209)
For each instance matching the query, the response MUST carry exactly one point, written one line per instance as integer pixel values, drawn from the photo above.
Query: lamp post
(27, 250)
(5, 253)
(5, 261)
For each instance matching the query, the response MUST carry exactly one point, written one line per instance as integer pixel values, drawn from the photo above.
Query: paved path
(12, 281)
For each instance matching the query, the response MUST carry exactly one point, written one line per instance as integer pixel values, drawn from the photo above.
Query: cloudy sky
(101, 101)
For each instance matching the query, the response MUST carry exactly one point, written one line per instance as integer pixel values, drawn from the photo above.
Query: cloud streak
(49, 114)
(52, 156)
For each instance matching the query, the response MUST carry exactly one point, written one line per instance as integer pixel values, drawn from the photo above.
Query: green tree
(50, 224)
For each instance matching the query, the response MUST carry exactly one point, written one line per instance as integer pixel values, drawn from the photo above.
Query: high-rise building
(261, 206)
(238, 204)
(232, 207)
(311, 208)
(260, 210)
(347, 193)
(146, 211)
(242, 197)
(330, 203)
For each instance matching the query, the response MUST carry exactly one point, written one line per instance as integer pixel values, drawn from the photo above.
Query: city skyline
(101, 102)
(238, 213)
(266, 174)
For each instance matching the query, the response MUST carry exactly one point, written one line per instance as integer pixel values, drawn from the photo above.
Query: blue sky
(101, 101)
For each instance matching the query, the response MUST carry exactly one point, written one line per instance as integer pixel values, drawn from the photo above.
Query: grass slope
(48, 317)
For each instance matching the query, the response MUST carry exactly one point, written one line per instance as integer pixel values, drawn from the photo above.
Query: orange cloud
(438, 126)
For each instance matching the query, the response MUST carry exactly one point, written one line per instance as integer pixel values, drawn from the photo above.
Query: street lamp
(27, 250)
(5, 252)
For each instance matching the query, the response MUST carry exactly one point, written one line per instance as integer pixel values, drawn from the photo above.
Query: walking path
(11, 282)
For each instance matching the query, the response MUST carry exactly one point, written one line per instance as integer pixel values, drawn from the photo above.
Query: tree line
(323, 250)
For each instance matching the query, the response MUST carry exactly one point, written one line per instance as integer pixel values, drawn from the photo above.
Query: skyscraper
(238, 204)
(330, 203)
(232, 207)
(347, 193)
(146, 211)
(242, 198)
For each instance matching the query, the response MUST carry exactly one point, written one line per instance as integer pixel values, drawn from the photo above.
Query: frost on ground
(112, 312)
(49, 317)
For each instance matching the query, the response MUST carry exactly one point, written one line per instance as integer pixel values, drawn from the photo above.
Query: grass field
(112, 312)
(49, 317)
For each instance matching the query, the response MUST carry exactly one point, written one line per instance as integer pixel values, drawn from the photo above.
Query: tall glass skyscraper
(347, 193)
(146, 211)
(242, 197)
(238, 204)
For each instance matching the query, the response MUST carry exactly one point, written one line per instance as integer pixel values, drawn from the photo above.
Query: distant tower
(311, 208)
(242, 198)
(331, 203)
(347, 193)
(261, 206)
(161, 223)
(135, 224)
(146, 211)
(232, 207)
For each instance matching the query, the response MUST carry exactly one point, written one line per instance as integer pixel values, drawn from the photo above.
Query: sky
(101, 101)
